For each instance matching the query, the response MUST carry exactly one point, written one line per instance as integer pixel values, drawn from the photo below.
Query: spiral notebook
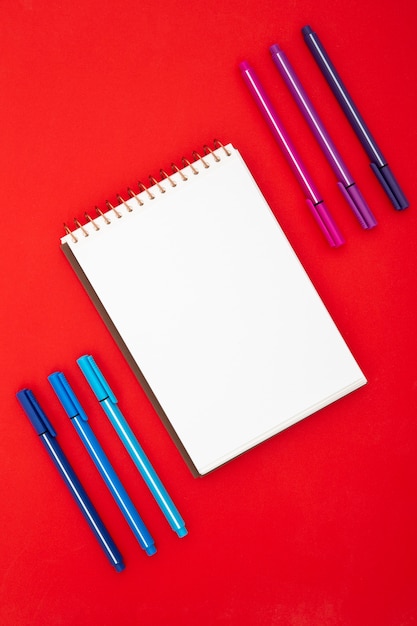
(211, 307)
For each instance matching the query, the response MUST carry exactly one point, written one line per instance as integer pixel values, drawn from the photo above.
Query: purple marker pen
(313, 199)
(345, 181)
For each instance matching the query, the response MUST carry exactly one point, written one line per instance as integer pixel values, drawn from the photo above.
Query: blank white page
(215, 308)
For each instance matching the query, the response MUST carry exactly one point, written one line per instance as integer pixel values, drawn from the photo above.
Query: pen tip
(307, 30)
(150, 550)
(274, 49)
(119, 567)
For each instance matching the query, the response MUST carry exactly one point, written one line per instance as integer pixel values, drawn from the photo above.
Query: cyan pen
(108, 402)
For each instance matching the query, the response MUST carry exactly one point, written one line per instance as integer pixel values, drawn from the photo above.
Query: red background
(317, 526)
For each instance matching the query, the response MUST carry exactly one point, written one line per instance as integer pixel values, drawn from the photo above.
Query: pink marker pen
(314, 201)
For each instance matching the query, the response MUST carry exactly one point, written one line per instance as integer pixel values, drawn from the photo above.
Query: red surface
(318, 526)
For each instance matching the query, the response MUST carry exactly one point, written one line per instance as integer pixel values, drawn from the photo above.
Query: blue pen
(47, 435)
(108, 401)
(79, 419)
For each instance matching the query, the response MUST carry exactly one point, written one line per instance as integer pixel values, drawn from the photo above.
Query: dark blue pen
(379, 163)
(47, 435)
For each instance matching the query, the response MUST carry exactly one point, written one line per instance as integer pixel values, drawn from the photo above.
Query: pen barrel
(310, 115)
(342, 95)
(144, 466)
(278, 131)
(114, 485)
(83, 501)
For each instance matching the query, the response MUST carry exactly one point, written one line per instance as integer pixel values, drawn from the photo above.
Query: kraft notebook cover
(210, 305)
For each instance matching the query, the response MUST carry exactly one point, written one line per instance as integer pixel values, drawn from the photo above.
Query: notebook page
(218, 313)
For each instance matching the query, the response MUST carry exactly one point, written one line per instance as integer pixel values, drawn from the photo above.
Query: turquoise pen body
(144, 466)
(79, 420)
(109, 405)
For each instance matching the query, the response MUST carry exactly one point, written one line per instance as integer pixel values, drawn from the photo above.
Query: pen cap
(66, 396)
(96, 379)
(34, 412)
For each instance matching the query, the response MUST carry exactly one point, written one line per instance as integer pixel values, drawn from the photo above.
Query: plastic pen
(108, 402)
(79, 419)
(313, 199)
(47, 435)
(345, 182)
(379, 164)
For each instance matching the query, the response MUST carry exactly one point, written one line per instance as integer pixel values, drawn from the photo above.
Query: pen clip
(66, 396)
(358, 204)
(34, 412)
(326, 223)
(390, 186)
(95, 379)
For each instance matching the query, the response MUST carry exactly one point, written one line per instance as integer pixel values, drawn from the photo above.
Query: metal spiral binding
(156, 185)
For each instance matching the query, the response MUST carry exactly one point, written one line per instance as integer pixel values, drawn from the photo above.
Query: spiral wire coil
(154, 184)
